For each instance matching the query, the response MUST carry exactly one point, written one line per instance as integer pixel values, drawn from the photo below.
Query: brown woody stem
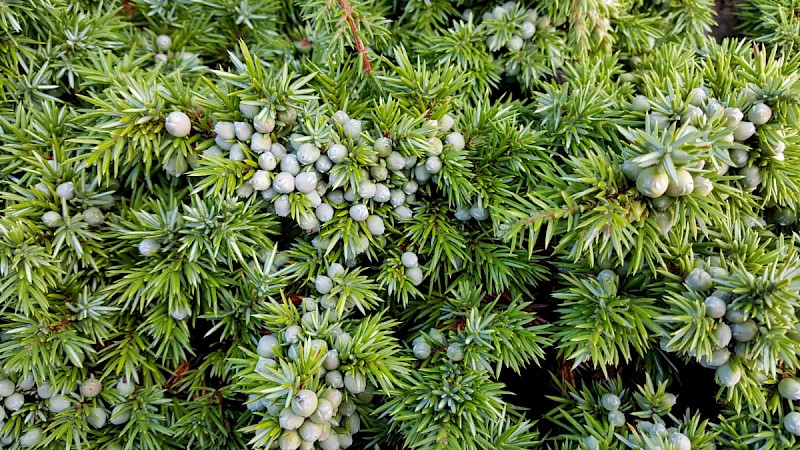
(362, 50)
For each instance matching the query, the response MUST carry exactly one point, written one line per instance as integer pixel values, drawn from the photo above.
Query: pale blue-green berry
(683, 185)
(616, 418)
(479, 212)
(331, 443)
(289, 440)
(383, 146)
(528, 30)
(335, 270)
(91, 388)
(421, 174)
(670, 400)
(323, 164)
(395, 162)
(223, 144)
(65, 191)
(699, 280)
(261, 180)
(359, 212)
(319, 346)
(260, 143)
(163, 42)
(350, 194)
(57, 403)
(278, 151)
(680, 441)
(692, 114)
(744, 131)
(403, 212)
(640, 104)
(421, 349)
(309, 431)
(409, 260)
(719, 356)
(282, 205)
(14, 402)
(313, 198)
(659, 121)
(734, 316)
(631, 169)
(284, 183)
(435, 146)
(366, 189)
(335, 379)
(149, 247)
(181, 313)
(236, 153)
(715, 307)
(436, 335)
(791, 423)
(697, 96)
(45, 390)
(97, 417)
(415, 275)
(739, 157)
(410, 187)
(728, 376)
(789, 388)
(119, 415)
(325, 408)
(324, 212)
(345, 440)
(433, 164)
(446, 123)
(352, 128)
(397, 197)
(160, 58)
(267, 161)
(304, 403)
(659, 429)
(305, 182)
(411, 161)
(722, 335)
(733, 116)
(375, 225)
(610, 402)
(713, 107)
(93, 216)
(355, 382)
(263, 122)
(308, 154)
(225, 130)
(249, 111)
(591, 443)
(331, 361)
(337, 153)
(606, 276)
(652, 182)
(289, 420)
(341, 117)
(455, 352)
(288, 116)
(760, 114)
(745, 331)
(456, 141)
(290, 164)
(243, 131)
(31, 438)
(751, 177)
(27, 383)
(292, 334)
(334, 396)
(245, 190)
(462, 213)
(125, 387)
(178, 124)
(213, 151)
(379, 173)
(51, 219)
(702, 186)
(382, 193)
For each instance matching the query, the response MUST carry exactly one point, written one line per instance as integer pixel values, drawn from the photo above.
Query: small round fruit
(263, 122)
(91, 388)
(760, 114)
(57, 403)
(415, 275)
(715, 307)
(733, 116)
(324, 411)
(421, 350)
(309, 431)
(680, 441)
(617, 418)
(163, 42)
(65, 191)
(610, 402)
(306, 182)
(178, 124)
(722, 335)
(751, 177)
(305, 403)
(791, 423)
(324, 212)
(352, 128)
(282, 205)
(31, 438)
(433, 165)
(652, 182)
(97, 417)
(267, 345)
(14, 402)
(702, 186)
(744, 131)
(640, 104)
(355, 382)
(745, 331)
(288, 420)
(591, 443)
(699, 280)
(383, 147)
(456, 141)
(323, 284)
(683, 185)
(93, 216)
(789, 388)
(289, 440)
(331, 443)
(375, 225)
(631, 169)
(225, 130)
(335, 379)
(409, 260)
(455, 352)
(727, 375)
(149, 247)
(125, 387)
(331, 361)
(359, 212)
(120, 415)
(284, 183)
(292, 334)
(51, 219)
(308, 154)
(45, 390)
(697, 96)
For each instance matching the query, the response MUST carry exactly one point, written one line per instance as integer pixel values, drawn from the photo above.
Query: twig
(348, 15)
